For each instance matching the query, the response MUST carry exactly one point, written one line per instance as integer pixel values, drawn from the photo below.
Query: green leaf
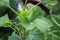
(36, 12)
(51, 37)
(25, 17)
(29, 26)
(29, 15)
(57, 18)
(4, 2)
(43, 24)
(50, 3)
(35, 35)
(4, 21)
(14, 36)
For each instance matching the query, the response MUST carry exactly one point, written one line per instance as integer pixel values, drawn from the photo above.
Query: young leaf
(4, 20)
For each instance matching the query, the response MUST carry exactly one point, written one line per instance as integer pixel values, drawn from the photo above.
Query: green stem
(51, 15)
(45, 36)
(53, 31)
(55, 20)
(13, 28)
(55, 35)
(14, 11)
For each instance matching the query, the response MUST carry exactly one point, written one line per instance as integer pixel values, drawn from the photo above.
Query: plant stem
(55, 20)
(45, 36)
